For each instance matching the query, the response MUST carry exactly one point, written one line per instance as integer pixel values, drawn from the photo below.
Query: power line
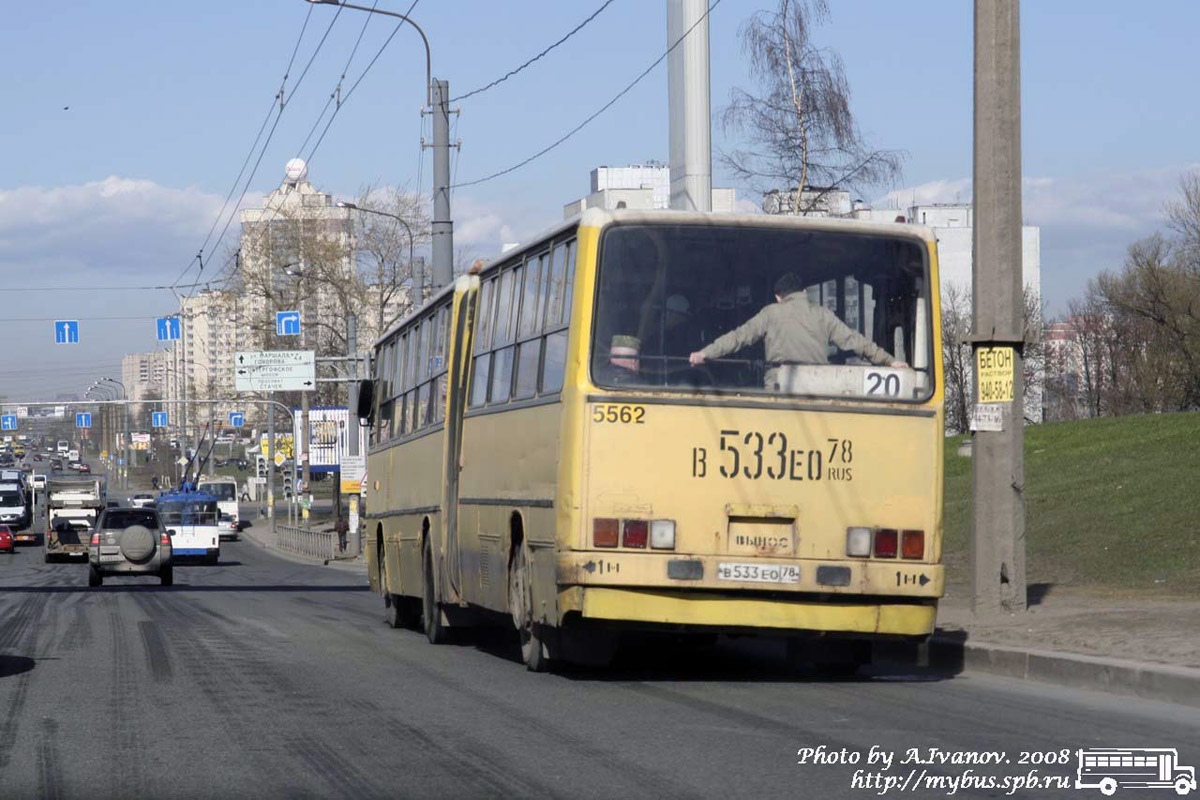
(80, 319)
(283, 103)
(104, 288)
(602, 109)
(512, 72)
(354, 85)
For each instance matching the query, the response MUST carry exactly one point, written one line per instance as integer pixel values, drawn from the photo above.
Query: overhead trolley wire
(282, 104)
(601, 110)
(513, 72)
(354, 85)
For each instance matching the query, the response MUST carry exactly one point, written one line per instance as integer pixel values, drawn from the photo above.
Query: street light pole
(125, 449)
(438, 100)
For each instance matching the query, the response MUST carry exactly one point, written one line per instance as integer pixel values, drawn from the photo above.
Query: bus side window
(554, 362)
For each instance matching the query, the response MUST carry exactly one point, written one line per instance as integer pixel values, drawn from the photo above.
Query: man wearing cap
(795, 331)
(622, 365)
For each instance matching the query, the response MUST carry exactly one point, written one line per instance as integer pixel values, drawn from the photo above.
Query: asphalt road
(264, 678)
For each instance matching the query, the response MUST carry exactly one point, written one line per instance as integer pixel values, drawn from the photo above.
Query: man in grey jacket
(794, 331)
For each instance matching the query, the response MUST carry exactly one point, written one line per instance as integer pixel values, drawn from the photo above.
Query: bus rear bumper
(732, 612)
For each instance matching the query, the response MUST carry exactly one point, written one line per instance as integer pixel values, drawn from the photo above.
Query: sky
(127, 123)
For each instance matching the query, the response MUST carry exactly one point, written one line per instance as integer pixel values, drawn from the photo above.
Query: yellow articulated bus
(668, 421)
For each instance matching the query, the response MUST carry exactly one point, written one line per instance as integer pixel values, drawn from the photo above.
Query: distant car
(7, 543)
(130, 541)
(142, 500)
(226, 528)
(37, 456)
(56, 465)
(82, 467)
(38, 481)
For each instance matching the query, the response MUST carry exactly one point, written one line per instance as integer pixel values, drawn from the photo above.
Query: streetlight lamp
(418, 278)
(437, 96)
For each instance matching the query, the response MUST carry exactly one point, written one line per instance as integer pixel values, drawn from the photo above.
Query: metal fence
(305, 542)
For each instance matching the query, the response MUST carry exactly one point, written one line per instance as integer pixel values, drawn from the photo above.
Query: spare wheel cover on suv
(137, 543)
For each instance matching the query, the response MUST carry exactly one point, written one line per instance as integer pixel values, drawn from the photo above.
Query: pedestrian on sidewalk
(342, 527)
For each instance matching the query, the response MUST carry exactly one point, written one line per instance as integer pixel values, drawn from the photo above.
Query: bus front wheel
(1182, 787)
(520, 602)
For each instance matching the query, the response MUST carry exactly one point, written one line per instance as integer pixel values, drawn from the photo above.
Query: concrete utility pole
(998, 462)
(443, 228)
(688, 102)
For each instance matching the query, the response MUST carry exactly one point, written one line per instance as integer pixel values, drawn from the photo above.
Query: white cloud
(1087, 221)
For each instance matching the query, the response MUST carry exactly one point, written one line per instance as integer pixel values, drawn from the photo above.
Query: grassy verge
(1111, 504)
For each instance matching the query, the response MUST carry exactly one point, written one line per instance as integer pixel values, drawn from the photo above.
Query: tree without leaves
(330, 285)
(799, 126)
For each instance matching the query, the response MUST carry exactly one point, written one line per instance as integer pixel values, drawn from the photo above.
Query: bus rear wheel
(431, 612)
(520, 602)
(1108, 787)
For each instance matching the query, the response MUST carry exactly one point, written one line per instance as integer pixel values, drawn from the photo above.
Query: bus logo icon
(1112, 768)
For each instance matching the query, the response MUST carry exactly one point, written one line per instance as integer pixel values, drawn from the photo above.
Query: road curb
(952, 650)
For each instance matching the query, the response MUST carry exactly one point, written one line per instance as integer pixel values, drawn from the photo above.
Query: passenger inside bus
(622, 365)
(794, 331)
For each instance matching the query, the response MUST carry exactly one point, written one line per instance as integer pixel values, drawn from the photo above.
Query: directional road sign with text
(168, 328)
(66, 331)
(287, 323)
(83, 419)
(275, 371)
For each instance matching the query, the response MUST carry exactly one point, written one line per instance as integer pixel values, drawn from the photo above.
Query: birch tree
(797, 124)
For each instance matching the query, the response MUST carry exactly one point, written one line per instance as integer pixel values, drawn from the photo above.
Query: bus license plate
(759, 573)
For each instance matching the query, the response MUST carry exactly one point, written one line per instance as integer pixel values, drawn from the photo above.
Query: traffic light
(260, 466)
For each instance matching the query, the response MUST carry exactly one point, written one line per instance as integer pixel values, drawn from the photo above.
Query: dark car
(56, 465)
(130, 541)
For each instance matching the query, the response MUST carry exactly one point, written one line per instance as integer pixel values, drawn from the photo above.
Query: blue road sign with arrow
(237, 419)
(287, 323)
(168, 328)
(8, 422)
(66, 331)
(158, 419)
(83, 419)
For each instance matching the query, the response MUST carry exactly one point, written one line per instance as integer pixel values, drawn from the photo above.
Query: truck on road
(72, 506)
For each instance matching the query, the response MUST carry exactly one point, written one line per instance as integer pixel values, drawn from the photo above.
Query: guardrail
(305, 542)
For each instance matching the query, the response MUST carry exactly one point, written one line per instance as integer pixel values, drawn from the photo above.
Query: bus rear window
(786, 311)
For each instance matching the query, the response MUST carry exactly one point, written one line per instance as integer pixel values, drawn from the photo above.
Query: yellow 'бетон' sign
(994, 374)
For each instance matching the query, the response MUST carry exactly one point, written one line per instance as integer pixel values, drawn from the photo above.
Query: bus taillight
(912, 544)
(635, 533)
(605, 532)
(885, 543)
